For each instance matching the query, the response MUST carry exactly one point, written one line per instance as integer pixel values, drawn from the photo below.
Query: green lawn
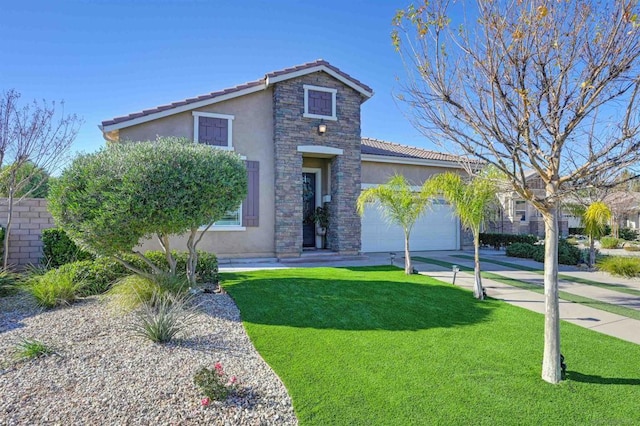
(371, 346)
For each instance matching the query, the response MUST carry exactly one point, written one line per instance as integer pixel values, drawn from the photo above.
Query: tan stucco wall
(379, 173)
(252, 137)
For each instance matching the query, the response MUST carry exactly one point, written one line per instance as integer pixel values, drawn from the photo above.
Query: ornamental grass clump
(214, 383)
(628, 267)
(31, 348)
(55, 288)
(134, 291)
(163, 316)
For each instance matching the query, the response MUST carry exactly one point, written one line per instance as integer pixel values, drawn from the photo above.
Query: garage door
(437, 229)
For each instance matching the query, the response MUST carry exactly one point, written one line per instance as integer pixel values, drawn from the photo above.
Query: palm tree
(470, 200)
(399, 204)
(595, 220)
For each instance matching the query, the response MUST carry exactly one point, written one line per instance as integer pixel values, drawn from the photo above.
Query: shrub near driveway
(361, 346)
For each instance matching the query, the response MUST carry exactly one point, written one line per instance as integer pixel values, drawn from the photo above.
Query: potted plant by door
(321, 219)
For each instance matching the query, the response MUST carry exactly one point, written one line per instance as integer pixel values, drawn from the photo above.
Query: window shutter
(251, 203)
(320, 103)
(213, 131)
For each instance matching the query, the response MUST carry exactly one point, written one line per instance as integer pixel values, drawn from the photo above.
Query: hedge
(567, 254)
(505, 240)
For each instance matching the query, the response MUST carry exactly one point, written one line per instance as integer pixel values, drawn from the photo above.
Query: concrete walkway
(595, 319)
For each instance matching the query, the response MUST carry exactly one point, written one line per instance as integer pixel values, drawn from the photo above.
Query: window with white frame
(213, 129)
(231, 218)
(521, 211)
(319, 102)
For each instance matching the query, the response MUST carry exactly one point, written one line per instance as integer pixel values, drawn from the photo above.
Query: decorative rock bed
(102, 374)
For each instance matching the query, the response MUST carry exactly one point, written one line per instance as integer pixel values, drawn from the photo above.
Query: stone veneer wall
(30, 217)
(291, 129)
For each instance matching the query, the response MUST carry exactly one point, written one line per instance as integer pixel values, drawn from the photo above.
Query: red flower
(205, 402)
(218, 368)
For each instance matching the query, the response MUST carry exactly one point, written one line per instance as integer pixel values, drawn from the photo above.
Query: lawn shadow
(588, 378)
(372, 298)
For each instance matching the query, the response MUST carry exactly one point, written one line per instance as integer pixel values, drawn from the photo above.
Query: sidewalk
(604, 322)
(595, 319)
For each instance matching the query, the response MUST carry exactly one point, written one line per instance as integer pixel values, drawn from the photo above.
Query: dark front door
(308, 208)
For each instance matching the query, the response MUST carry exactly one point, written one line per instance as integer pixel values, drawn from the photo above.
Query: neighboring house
(625, 208)
(298, 130)
(516, 215)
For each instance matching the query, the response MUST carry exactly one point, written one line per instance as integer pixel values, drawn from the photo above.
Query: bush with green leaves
(109, 200)
(628, 234)
(523, 250)
(59, 249)
(99, 275)
(609, 242)
(55, 288)
(622, 266)
(33, 181)
(567, 253)
(497, 241)
(164, 316)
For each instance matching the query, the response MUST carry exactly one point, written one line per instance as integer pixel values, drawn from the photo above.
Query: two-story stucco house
(298, 130)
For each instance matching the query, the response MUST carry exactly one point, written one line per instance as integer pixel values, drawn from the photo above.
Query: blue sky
(110, 58)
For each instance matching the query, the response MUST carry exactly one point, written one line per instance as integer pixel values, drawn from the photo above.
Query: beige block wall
(252, 137)
(30, 217)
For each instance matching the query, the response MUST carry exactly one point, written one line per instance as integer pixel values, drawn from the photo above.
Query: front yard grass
(372, 346)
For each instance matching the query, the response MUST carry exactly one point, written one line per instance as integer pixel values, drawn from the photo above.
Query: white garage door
(437, 229)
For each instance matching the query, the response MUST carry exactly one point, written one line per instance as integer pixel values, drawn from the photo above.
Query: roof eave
(410, 161)
(299, 73)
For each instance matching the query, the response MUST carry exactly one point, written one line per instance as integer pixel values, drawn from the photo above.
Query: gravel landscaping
(101, 374)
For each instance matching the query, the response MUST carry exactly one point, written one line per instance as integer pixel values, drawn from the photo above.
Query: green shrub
(163, 317)
(628, 234)
(523, 250)
(98, 275)
(631, 248)
(31, 348)
(572, 241)
(567, 254)
(55, 288)
(59, 250)
(620, 266)
(505, 240)
(133, 291)
(206, 267)
(609, 242)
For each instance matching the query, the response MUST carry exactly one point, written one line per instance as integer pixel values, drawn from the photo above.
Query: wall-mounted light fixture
(322, 129)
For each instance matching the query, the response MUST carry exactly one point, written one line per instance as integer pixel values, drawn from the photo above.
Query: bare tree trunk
(192, 259)
(551, 357)
(477, 288)
(407, 255)
(164, 242)
(7, 231)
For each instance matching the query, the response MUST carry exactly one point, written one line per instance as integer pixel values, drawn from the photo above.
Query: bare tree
(32, 138)
(549, 87)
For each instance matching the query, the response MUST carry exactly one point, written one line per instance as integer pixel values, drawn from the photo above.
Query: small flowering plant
(214, 383)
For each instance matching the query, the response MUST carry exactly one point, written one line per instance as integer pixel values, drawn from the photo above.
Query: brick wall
(291, 130)
(30, 217)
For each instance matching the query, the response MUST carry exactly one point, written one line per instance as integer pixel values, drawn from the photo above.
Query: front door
(308, 209)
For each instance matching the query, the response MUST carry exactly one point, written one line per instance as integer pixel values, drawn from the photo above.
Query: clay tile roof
(377, 147)
(316, 63)
(212, 95)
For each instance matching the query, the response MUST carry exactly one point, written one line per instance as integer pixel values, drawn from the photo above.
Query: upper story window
(521, 211)
(213, 129)
(319, 102)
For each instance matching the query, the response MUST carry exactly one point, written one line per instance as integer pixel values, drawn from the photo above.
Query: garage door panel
(435, 230)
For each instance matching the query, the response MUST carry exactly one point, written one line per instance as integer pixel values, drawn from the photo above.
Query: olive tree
(108, 201)
(529, 86)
